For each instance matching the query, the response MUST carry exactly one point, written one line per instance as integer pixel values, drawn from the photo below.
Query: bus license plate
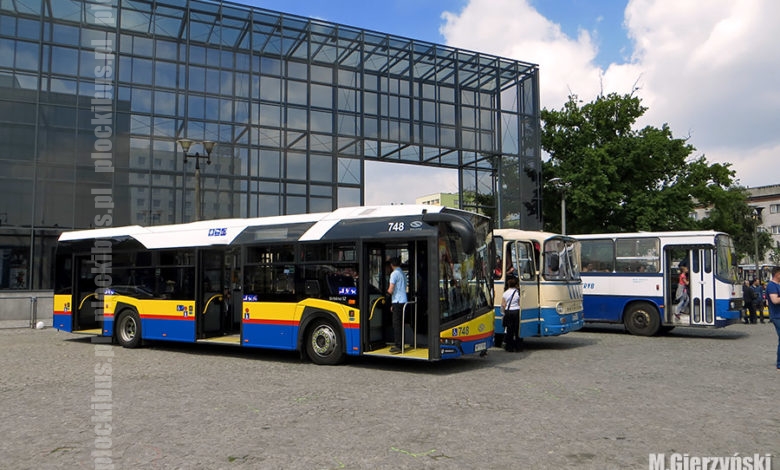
(480, 347)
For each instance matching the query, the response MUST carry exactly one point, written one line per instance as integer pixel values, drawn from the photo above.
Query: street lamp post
(208, 145)
(562, 186)
(757, 219)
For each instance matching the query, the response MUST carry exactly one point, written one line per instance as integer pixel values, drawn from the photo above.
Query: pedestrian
(682, 292)
(747, 301)
(758, 302)
(773, 299)
(510, 307)
(397, 292)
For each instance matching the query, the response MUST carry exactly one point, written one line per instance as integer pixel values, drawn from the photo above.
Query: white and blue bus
(547, 266)
(631, 278)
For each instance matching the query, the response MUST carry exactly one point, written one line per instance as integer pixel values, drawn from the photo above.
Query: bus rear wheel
(128, 329)
(323, 343)
(642, 319)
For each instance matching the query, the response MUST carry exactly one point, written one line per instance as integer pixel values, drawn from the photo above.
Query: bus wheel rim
(128, 328)
(323, 340)
(641, 320)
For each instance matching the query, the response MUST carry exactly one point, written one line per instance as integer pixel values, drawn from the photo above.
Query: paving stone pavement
(593, 399)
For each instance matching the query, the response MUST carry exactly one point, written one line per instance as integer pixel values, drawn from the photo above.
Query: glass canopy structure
(94, 96)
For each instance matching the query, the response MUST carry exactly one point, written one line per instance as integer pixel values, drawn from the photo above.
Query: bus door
(702, 286)
(85, 296)
(209, 290)
(376, 315)
(523, 265)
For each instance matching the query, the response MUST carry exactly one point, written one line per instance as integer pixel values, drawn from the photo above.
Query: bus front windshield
(464, 286)
(561, 259)
(725, 259)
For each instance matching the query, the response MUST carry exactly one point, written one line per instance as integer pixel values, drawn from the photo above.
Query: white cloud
(514, 29)
(708, 70)
(395, 183)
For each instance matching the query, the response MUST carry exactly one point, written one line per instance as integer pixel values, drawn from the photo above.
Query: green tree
(618, 179)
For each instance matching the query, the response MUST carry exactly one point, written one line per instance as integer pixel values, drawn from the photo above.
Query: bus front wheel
(323, 343)
(128, 329)
(642, 319)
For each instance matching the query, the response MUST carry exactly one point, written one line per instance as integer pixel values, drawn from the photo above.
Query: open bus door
(378, 336)
(87, 317)
(209, 306)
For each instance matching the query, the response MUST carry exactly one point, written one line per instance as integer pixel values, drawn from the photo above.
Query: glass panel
(296, 92)
(637, 254)
(321, 96)
(597, 255)
(64, 61)
(321, 167)
(296, 166)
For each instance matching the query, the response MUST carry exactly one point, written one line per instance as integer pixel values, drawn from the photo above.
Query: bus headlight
(449, 342)
(559, 308)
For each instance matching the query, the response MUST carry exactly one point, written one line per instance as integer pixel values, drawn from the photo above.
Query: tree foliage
(620, 179)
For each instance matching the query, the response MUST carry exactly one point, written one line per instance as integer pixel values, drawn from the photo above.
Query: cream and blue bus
(314, 283)
(547, 267)
(632, 278)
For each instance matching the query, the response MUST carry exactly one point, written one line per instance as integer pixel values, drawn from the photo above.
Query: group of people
(753, 301)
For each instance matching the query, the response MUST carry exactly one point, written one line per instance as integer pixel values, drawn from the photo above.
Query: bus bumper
(562, 324)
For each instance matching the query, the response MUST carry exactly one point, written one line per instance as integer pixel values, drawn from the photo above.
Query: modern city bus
(315, 283)
(547, 267)
(632, 278)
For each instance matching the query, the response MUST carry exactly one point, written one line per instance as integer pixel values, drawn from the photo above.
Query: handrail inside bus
(206, 307)
(84, 300)
(403, 327)
(373, 307)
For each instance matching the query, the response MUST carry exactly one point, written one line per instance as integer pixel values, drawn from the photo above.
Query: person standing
(397, 292)
(758, 302)
(510, 307)
(747, 301)
(682, 292)
(773, 299)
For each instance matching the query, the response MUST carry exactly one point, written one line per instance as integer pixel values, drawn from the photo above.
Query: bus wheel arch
(127, 329)
(323, 339)
(642, 319)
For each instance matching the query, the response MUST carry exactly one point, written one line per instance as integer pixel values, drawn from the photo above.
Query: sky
(710, 70)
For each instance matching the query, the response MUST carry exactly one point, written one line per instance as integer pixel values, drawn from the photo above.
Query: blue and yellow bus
(315, 283)
(546, 266)
(632, 278)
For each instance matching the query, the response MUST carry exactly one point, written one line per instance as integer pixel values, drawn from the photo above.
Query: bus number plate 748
(460, 331)
(395, 226)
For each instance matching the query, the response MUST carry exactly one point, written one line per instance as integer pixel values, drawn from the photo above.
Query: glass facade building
(94, 95)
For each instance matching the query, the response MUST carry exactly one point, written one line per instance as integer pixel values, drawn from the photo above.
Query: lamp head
(209, 146)
(185, 144)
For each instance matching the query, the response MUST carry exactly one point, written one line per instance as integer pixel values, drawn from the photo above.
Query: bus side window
(312, 288)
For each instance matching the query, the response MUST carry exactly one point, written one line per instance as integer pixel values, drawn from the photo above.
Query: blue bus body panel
(63, 322)
(270, 335)
(554, 324)
(352, 337)
(549, 324)
(466, 347)
(174, 329)
(724, 316)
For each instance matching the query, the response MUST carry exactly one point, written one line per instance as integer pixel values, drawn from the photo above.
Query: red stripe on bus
(166, 317)
(258, 321)
(470, 337)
